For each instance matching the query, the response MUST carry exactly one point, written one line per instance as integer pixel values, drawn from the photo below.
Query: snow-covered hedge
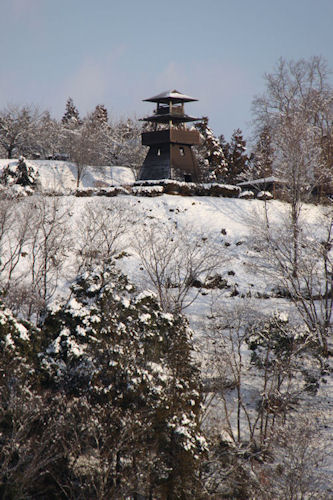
(191, 188)
(111, 191)
(264, 195)
(19, 172)
(15, 191)
(147, 190)
(246, 195)
(215, 189)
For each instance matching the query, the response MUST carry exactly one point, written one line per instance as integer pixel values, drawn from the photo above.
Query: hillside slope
(59, 175)
(228, 226)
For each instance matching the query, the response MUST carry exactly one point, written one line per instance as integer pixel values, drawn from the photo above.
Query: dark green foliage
(71, 117)
(273, 335)
(186, 188)
(131, 363)
(225, 473)
(260, 162)
(212, 162)
(236, 157)
(99, 117)
(28, 448)
(22, 174)
(19, 344)
(103, 401)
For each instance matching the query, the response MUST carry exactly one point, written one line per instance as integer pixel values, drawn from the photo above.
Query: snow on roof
(263, 180)
(171, 95)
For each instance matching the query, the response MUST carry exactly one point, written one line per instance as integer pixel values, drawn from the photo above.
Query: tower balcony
(171, 135)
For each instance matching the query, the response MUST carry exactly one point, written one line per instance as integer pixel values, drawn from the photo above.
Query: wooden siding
(173, 135)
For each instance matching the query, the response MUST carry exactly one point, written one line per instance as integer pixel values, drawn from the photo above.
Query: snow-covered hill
(226, 224)
(61, 175)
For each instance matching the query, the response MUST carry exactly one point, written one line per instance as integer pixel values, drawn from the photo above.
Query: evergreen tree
(212, 162)
(131, 363)
(24, 173)
(102, 401)
(97, 135)
(71, 118)
(225, 146)
(74, 142)
(100, 115)
(28, 448)
(262, 160)
(237, 158)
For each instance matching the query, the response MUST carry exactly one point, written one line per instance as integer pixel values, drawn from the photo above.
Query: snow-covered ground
(228, 224)
(61, 175)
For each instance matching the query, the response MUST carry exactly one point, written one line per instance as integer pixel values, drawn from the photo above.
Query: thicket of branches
(92, 140)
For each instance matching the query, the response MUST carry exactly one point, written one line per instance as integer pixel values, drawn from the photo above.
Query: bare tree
(257, 375)
(125, 146)
(175, 261)
(15, 217)
(50, 240)
(302, 270)
(17, 129)
(297, 112)
(297, 469)
(81, 151)
(102, 230)
(48, 136)
(257, 408)
(29, 451)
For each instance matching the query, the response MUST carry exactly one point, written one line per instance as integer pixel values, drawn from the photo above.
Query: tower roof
(170, 95)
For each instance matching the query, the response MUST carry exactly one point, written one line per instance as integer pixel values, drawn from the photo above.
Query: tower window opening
(158, 152)
(182, 151)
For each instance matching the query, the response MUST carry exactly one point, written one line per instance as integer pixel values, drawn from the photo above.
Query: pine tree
(225, 147)
(237, 158)
(96, 133)
(263, 156)
(132, 363)
(24, 174)
(71, 117)
(211, 158)
(100, 115)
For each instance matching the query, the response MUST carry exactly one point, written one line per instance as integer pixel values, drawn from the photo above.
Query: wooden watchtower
(170, 155)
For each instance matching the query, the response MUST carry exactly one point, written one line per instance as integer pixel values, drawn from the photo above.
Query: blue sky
(118, 52)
